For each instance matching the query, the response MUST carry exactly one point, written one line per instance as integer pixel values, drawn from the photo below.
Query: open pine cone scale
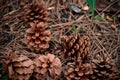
(18, 67)
(76, 47)
(36, 12)
(38, 37)
(104, 68)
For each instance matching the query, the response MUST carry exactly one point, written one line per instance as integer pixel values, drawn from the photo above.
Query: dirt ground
(104, 33)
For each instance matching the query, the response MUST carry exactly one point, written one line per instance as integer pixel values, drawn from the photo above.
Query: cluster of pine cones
(81, 66)
(37, 36)
(77, 63)
(43, 67)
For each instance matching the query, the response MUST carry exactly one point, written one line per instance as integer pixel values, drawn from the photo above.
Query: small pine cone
(47, 67)
(104, 68)
(18, 67)
(76, 47)
(36, 12)
(38, 37)
(77, 71)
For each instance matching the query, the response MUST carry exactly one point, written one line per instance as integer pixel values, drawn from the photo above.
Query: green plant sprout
(91, 4)
(75, 30)
(98, 18)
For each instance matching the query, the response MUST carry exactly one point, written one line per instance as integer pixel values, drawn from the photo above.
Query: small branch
(69, 23)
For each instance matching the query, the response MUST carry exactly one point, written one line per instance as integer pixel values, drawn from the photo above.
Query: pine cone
(77, 71)
(104, 68)
(18, 67)
(37, 37)
(47, 67)
(76, 47)
(36, 12)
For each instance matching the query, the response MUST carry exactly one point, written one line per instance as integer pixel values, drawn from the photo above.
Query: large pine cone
(78, 66)
(38, 37)
(47, 67)
(77, 71)
(76, 47)
(36, 12)
(104, 68)
(18, 67)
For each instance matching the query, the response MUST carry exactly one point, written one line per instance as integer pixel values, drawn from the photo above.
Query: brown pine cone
(77, 71)
(47, 67)
(104, 68)
(18, 67)
(36, 12)
(37, 37)
(76, 47)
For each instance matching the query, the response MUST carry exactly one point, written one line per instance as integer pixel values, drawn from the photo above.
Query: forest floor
(67, 17)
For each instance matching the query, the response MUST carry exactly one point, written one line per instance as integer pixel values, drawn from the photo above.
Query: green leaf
(99, 18)
(91, 3)
(74, 28)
